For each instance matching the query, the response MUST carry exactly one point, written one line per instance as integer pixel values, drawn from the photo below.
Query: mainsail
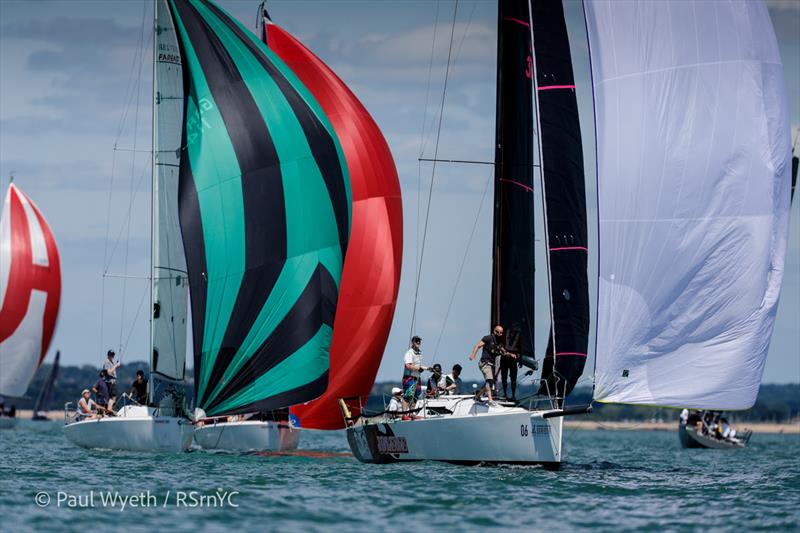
(170, 285)
(565, 200)
(371, 275)
(694, 188)
(30, 291)
(265, 214)
(513, 251)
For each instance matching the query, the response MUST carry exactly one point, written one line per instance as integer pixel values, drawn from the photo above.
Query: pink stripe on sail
(585, 249)
(517, 21)
(529, 189)
(553, 87)
(572, 353)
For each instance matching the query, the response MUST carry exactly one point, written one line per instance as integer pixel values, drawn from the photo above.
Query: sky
(75, 82)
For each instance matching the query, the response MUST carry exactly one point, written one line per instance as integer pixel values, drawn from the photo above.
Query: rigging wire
(133, 80)
(422, 146)
(133, 179)
(463, 262)
(433, 169)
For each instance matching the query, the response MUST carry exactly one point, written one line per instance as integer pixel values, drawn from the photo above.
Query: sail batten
(265, 215)
(693, 199)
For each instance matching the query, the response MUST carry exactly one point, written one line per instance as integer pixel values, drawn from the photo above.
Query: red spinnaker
(371, 275)
(30, 291)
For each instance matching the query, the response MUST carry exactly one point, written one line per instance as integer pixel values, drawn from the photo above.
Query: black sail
(513, 252)
(565, 199)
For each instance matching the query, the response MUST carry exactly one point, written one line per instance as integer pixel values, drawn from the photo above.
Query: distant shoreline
(585, 425)
(599, 425)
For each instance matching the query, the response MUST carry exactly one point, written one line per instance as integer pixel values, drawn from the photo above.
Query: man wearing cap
(432, 389)
(111, 366)
(396, 403)
(411, 369)
(86, 406)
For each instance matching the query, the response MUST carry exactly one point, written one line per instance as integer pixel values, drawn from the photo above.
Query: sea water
(610, 481)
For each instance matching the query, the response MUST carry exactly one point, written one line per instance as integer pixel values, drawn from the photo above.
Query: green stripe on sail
(216, 174)
(292, 281)
(312, 102)
(303, 366)
(310, 220)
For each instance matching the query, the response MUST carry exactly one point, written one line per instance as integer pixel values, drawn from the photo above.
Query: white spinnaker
(694, 182)
(170, 286)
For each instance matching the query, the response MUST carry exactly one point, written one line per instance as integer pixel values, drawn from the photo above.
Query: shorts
(487, 369)
(112, 389)
(411, 388)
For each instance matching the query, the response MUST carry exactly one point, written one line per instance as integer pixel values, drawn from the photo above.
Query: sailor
(509, 362)
(396, 403)
(86, 406)
(139, 389)
(111, 366)
(432, 389)
(100, 390)
(412, 366)
(492, 346)
(451, 383)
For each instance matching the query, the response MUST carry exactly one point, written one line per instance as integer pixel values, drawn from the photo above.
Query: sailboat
(40, 408)
(693, 170)
(371, 271)
(30, 295)
(164, 424)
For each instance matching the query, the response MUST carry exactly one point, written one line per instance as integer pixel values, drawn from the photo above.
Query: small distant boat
(47, 391)
(691, 436)
(30, 294)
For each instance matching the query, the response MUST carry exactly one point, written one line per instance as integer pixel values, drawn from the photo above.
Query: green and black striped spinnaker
(265, 210)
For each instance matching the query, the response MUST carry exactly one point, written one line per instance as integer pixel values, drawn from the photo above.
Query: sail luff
(47, 387)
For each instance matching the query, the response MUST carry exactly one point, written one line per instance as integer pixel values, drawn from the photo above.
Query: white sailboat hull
(262, 436)
(473, 433)
(134, 429)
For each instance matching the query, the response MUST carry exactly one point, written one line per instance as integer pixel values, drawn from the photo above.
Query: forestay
(694, 184)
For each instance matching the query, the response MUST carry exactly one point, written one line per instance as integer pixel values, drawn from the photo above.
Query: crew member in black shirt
(139, 389)
(493, 346)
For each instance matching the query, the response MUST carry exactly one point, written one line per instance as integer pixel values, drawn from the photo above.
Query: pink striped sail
(30, 291)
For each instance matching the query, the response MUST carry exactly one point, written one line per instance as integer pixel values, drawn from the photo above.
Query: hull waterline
(260, 436)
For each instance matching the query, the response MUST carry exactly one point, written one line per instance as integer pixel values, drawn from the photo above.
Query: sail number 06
(523, 430)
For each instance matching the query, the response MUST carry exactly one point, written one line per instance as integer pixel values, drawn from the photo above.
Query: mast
(512, 247)
(153, 181)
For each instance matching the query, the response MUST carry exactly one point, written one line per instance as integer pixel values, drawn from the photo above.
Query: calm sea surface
(610, 481)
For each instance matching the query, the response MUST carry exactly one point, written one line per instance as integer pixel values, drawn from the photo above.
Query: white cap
(84, 391)
(396, 390)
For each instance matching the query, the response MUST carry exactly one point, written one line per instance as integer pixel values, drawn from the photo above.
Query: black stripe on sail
(513, 265)
(262, 188)
(313, 389)
(315, 306)
(319, 140)
(195, 252)
(565, 198)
